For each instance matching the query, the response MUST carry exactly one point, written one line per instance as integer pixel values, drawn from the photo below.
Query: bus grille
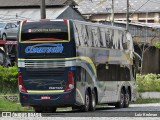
(34, 72)
(44, 64)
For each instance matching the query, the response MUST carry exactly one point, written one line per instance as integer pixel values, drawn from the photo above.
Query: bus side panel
(110, 87)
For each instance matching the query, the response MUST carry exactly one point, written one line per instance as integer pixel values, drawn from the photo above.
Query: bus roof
(99, 25)
(82, 22)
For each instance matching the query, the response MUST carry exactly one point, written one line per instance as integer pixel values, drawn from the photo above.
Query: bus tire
(50, 109)
(75, 108)
(126, 99)
(85, 107)
(120, 104)
(38, 109)
(92, 105)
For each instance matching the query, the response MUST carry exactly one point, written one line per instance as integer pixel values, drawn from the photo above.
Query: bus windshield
(45, 31)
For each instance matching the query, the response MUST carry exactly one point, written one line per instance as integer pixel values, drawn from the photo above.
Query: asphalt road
(135, 110)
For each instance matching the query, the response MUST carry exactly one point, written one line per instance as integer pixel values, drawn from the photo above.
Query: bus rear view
(45, 80)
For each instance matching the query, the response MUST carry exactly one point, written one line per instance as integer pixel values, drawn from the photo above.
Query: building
(144, 16)
(139, 10)
(17, 10)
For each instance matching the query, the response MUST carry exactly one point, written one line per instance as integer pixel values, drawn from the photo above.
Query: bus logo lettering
(44, 48)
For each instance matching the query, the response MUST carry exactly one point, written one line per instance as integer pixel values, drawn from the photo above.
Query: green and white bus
(68, 63)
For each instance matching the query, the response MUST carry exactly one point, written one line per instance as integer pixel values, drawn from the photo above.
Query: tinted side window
(13, 25)
(109, 74)
(125, 74)
(8, 26)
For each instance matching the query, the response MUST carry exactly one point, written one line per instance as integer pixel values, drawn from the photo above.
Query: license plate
(45, 97)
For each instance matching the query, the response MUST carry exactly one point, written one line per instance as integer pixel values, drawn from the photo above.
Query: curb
(148, 95)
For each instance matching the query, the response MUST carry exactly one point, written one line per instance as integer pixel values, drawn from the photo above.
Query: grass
(6, 105)
(145, 101)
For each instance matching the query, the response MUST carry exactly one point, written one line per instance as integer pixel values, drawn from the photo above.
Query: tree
(148, 41)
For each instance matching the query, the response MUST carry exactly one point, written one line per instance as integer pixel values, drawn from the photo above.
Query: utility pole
(43, 9)
(112, 13)
(127, 16)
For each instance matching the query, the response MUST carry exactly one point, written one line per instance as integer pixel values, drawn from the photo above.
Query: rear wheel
(50, 109)
(126, 99)
(4, 37)
(75, 108)
(38, 109)
(120, 104)
(92, 104)
(53, 110)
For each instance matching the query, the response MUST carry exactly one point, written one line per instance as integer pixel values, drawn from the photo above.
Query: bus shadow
(79, 113)
(97, 109)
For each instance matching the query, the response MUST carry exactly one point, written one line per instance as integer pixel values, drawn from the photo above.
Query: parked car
(8, 31)
(4, 59)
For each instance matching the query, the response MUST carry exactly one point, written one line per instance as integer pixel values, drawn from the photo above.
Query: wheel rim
(87, 102)
(93, 100)
(126, 98)
(122, 98)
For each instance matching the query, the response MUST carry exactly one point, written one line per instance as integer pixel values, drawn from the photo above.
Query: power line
(157, 2)
(140, 7)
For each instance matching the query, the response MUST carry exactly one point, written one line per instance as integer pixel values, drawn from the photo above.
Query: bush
(8, 80)
(157, 45)
(148, 83)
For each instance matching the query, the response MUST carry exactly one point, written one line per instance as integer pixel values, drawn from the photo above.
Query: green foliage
(157, 44)
(8, 79)
(6, 105)
(142, 101)
(148, 83)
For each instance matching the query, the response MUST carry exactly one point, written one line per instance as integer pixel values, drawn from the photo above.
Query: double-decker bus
(69, 63)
